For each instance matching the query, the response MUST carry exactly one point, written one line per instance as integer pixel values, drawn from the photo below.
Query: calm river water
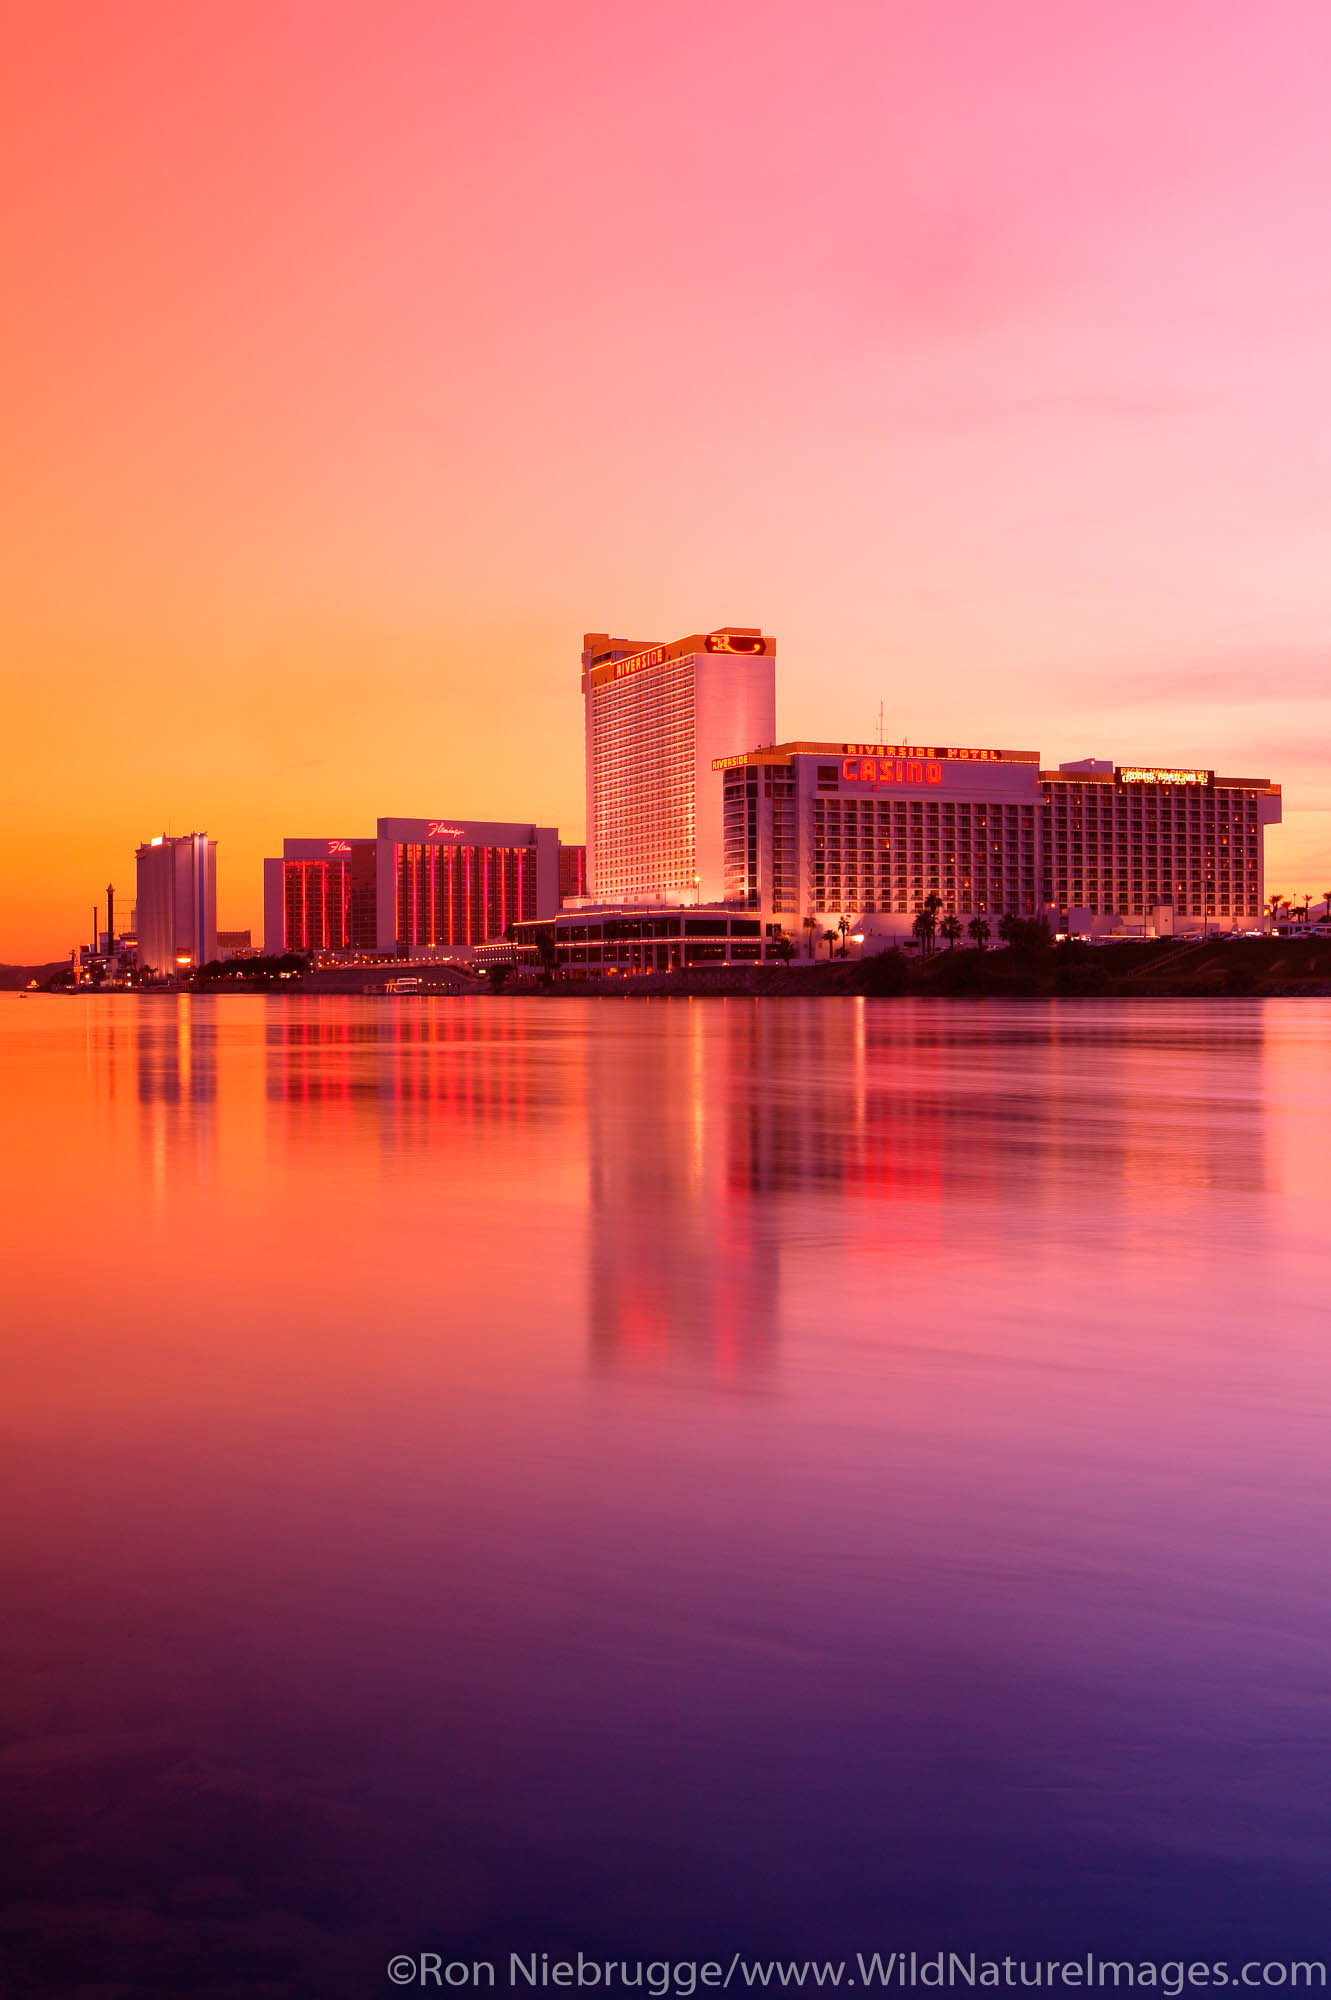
(660, 1479)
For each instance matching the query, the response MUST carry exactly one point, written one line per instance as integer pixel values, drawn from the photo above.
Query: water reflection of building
(416, 1067)
(996, 1108)
(684, 1268)
(175, 1053)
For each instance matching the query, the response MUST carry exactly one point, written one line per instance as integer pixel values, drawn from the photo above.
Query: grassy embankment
(1216, 969)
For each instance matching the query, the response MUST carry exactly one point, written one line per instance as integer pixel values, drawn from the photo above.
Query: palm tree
(1307, 899)
(843, 925)
(950, 928)
(549, 957)
(979, 930)
(811, 925)
(829, 939)
(926, 920)
(781, 946)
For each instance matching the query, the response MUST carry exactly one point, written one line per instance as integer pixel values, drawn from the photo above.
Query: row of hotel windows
(447, 894)
(982, 857)
(330, 905)
(656, 943)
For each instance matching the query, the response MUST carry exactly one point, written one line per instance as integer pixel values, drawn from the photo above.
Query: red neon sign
(735, 642)
(439, 829)
(918, 750)
(637, 661)
(890, 771)
(339, 847)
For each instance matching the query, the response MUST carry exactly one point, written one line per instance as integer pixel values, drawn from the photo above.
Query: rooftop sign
(1150, 774)
(751, 644)
(735, 642)
(916, 750)
(891, 771)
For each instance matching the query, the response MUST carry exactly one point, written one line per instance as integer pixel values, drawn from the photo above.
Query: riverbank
(1217, 968)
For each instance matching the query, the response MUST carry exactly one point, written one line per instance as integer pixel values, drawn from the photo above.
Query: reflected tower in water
(176, 1074)
(684, 1269)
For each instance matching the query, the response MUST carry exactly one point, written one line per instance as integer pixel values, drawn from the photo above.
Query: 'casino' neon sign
(890, 771)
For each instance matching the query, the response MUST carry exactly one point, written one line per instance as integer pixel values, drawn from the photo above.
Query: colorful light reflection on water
(660, 1478)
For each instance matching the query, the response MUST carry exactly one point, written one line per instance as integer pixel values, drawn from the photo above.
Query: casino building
(418, 886)
(1175, 851)
(657, 718)
(176, 902)
(869, 831)
(321, 895)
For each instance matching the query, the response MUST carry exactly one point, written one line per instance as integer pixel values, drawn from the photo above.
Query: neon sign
(439, 829)
(1132, 774)
(339, 847)
(735, 642)
(637, 661)
(891, 771)
(918, 750)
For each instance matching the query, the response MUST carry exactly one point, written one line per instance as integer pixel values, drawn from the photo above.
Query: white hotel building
(176, 902)
(658, 718)
(869, 831)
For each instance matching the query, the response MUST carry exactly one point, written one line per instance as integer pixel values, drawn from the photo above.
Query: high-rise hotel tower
(176, 914)
(657, 719)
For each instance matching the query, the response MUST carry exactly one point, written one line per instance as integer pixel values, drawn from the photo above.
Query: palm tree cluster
(828, 937)
(927, 925)
(926, 920)
(1280, 909)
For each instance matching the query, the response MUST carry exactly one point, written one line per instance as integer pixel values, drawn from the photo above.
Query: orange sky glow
(358, 359)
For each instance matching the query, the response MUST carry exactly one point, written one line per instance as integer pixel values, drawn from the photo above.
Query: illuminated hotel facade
(1124, 842)
(419, 886)
(322, 895)
(176, 897)
(869, 831)
(657, 718)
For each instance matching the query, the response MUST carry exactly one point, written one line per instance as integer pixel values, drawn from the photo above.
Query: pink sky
(358, 359)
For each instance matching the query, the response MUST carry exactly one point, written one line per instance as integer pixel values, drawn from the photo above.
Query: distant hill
(12, 977)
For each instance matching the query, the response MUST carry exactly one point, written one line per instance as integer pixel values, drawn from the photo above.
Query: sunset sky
(358, 358)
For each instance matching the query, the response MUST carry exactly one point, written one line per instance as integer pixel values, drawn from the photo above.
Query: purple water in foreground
(662, 1479)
